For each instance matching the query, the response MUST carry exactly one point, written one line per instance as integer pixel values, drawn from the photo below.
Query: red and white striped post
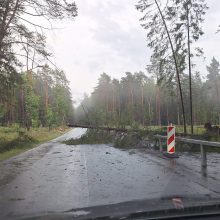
(171, 139)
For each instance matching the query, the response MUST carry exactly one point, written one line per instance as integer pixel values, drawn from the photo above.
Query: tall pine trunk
(176, 66)
(22, 106)
(158, 113)
(142, 103)
(46, 95)
(190, 71)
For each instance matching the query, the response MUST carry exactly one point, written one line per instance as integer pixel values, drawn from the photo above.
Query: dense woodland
(39, 98)
(33, 90)
(145, 99)
(172, 89)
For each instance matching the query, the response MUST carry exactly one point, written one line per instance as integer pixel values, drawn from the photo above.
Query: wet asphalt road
(55, 177)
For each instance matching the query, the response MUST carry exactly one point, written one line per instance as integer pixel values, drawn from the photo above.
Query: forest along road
(55, 177)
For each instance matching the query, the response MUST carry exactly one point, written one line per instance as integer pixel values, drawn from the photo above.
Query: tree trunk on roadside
(176, 66)
(46, 95)
(142, 103)
(22, 106)
(149, 110)
(190, 71)
(158, 113)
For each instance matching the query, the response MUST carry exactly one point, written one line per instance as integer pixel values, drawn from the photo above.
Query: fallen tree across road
(103, 128)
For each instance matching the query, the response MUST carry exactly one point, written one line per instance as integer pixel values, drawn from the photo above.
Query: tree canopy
(31, 90)
(140, 99)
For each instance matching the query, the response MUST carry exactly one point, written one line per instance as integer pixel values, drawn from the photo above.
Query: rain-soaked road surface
(55, 177)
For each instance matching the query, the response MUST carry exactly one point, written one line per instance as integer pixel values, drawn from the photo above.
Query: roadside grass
(17, 140)
(198, 129)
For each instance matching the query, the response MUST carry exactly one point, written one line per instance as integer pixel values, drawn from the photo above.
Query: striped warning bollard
(170, 139)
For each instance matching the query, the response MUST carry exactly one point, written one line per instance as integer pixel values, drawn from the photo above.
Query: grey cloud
(107, 37)
(109, 32)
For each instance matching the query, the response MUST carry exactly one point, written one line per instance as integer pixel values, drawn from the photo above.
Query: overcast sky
(106, 36)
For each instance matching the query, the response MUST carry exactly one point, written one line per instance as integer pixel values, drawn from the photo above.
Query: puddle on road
(102, 174)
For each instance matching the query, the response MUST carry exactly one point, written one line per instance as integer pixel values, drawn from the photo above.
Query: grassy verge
(14, 141)
(198, 130)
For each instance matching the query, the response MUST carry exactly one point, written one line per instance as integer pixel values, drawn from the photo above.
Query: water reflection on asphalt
(65, 177)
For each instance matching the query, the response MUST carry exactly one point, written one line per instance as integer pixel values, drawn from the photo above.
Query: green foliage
(127, 140)
(137, 100)
(25, 96)
(212, 86)
(31, 103)
(21, 141)
(92, 137)
(51, 118)
(21, 34)
(42, 98)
